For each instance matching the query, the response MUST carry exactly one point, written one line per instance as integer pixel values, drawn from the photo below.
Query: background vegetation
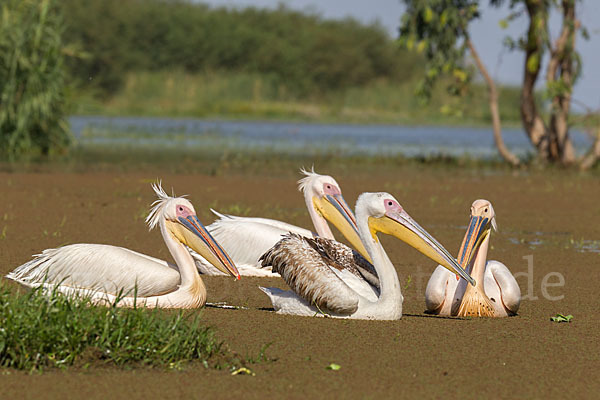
(32, 78)
(255, 96)
(300, 53)
(182, 58)
(176, 58)
(440, 30)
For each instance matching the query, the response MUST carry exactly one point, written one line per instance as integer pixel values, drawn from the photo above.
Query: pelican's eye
(486, 210)
(331, 189)
(183, 211)
(390, 203)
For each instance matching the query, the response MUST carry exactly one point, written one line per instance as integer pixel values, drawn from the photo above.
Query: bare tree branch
(591, 117)
(593, 155)
(493, 100)
(556, 52)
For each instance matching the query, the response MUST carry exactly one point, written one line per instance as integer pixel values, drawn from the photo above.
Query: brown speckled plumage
(305, 265)
(343, 257)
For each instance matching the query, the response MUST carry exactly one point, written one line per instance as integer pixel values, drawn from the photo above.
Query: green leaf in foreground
(561, 318)
(38, 331)
(334, 366)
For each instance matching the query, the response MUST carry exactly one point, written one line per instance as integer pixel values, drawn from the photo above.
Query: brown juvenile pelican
(496, 293)
(106, 273)
(321, 279)
(246, 239)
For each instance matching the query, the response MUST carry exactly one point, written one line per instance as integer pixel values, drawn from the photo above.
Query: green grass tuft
(38, 331)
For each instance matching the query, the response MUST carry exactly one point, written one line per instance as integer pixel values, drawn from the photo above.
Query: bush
(32, 79)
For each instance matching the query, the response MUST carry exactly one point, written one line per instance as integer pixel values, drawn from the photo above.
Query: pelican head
(483, 220)
(387, 216)
(176, 216)
(325, 195)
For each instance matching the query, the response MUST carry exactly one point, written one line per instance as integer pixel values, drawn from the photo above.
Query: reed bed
(261, 96)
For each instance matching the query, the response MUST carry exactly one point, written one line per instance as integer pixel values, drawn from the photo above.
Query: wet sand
(553, 217)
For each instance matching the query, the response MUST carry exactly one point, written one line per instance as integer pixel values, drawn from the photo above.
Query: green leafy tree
(440, 30)
(32, 80)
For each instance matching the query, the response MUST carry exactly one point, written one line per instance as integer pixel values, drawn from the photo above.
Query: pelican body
(496, 292)
(325, 280)
(246, 239)
(109, 274)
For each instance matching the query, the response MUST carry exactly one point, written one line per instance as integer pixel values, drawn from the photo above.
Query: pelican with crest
(245, 238)
(109, 274)
(496, 293)
(323, 276)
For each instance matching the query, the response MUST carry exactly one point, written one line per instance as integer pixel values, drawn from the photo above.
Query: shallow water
(302, 138)
(563, 240)
(396, 356)
(416, 357)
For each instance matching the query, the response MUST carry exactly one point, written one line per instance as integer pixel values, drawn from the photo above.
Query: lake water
(301, 137)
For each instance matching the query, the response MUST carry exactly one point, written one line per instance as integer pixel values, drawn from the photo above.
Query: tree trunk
(493, 100)
(532, 122)
(561, 59)
(552, 142)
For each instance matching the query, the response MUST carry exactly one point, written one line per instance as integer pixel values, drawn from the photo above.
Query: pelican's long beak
(402, 226)
(192, 233)
(479, 228)
(335, 210)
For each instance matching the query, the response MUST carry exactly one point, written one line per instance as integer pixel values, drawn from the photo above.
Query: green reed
(32, 79)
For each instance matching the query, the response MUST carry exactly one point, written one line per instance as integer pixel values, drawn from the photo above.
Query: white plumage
(325, 280)
(96, 267)
(105, 273)
(246, 238)
(496, 294)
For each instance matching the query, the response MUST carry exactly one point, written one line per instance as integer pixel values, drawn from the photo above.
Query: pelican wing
(307, 268)
(437, 290)
(225, 219)
(95, 267)
(347, 259)
(246, 239)
(501, 285)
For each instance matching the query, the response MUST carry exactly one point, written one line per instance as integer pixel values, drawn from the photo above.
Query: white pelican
(322, 280)
(106, 273)
(246, 239)
(496, 293)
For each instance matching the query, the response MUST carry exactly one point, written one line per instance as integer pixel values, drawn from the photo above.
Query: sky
(506, 67)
